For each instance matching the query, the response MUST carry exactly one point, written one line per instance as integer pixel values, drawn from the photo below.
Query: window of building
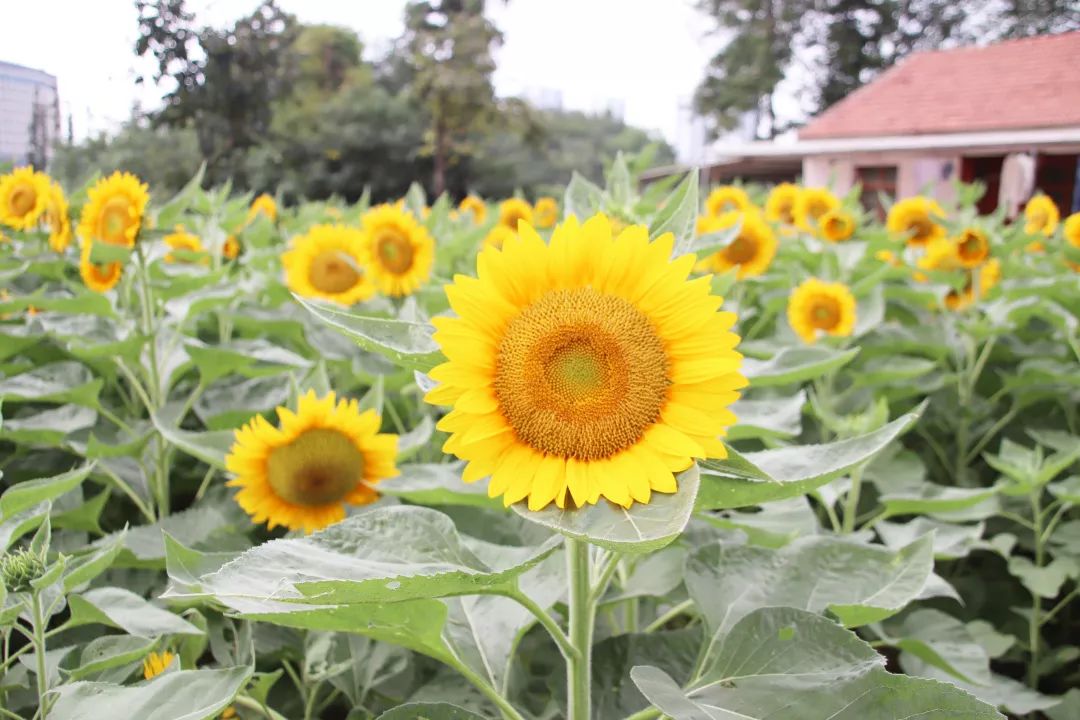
(876, 181)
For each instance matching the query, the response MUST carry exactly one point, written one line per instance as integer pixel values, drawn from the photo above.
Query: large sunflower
(546, 212)
(476, 206)
(780, 205)
(972, 247)
(810, 204)
(817, 307)
(98, 277)
(328, 263)
(321, 457)
(751, 251)
(182, 240)
(1041, 216)
(836, 225)
(263, 205)
(24, 194)
(590, 367)
(514, 209)
(726, 198)
(114, 210)
(57, 218)
(917, 219)
(399, 251)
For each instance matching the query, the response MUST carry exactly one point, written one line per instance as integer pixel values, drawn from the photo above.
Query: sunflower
(114, 210)
(399, 251)
(321, 457)
(1041, 216)
(726, 198)
(917, 219)
(817, 307)
(811, 204)
(498, 235)
(985, 278)
(265, 205)
(230, 250)
(780, 205)
(546, 212)
(585, 368)
(941, 254)
(156, 663)
(180, 239)
(98, 277)
(751, 251)
(57, 218)
(972, 247)
(514, 209)
(1072, 236)
(473, 204)
(328, 263)
(24, 193)
(836, 225)
(889, 257)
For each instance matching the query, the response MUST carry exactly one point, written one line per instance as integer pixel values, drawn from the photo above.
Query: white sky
(646, 54)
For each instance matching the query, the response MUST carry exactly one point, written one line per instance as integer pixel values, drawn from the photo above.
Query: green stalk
(1035, 621)
(579, 668)
(39, 652)
(851, 508)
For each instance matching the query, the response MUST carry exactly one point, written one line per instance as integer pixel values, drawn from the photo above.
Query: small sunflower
(230, 250)
(57, 218)
(98, 277)
(941, 254)
(264, 205)
(514, 209)
(398, 250)
(780, 205)
(476, 206)
(156, 663)
(321, 457)
(587, 367)
(972, 247)
(817, 307)
(180, 239)
(24, 195)
(811, 204)
(889, 257)
(498, 235)
(328, 263)
(917, 219)
(1072, 236)
(726, 198)
(546, 212)
(114, 210)
(836, 225)
(752, 250)
(1041, 216)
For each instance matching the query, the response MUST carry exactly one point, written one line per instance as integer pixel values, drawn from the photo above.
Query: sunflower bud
(19, 568)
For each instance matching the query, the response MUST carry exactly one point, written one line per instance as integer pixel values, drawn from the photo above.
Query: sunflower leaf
(678, 214)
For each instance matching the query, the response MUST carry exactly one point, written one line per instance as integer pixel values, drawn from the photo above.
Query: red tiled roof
(1018, 84)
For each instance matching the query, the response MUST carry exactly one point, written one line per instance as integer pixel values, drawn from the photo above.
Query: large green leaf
(437, 484)
(430, 711)
(796, 364)
(250, 358)
(211, 446)
(125, 610)
(61, 382)
(942, 641)
(929, 498)
(773, 417)
(25, 495)
(678, 214)
(582, 198)
(48, 427)
(111, 651)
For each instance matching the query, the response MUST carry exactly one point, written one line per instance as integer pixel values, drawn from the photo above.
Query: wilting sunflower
(810, 204)
(585, 368)
(473, 204)
(514, 209)
(321, 457)
(156, 663)
(972, 247)
(230, 250)
(546, 212)
(57, 218)
(751, 251)
(114, 210)
(265, 205)
(917, 219)
(817, 307)
(24, 194)
(836, 225)
(181, 239)
(1041, 216)
(98, 277)
(780, 205)
(498, 235)
(328, 263)
(726, 198)
(398, 250)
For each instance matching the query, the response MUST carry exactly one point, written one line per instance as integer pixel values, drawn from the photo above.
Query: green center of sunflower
(580, 374)
(741, 250)
(319, 467)
(115, 220)
(333, 272)
(23, 199)
(825, 313)
(395, 251)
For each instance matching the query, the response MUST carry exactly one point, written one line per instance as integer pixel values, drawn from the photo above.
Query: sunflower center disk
(332, 272)
(581, 375)
(23, 199)
(395, 252)
(317, 468)
(970, 247)
(825, 314)
(921, 229)
(115, 219)
(741, 250)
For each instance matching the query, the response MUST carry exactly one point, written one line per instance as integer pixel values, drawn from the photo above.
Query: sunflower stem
(582, 612)
(544, 618)
(39, 653)
(851, 509)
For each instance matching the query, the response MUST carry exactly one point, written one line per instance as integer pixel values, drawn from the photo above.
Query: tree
(38, 155)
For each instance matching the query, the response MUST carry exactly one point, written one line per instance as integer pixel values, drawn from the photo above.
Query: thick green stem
(39, 653)
(1035, 621)
(646, 714)
(579, 669)
(544, 618)
(851, 509)
(670, 615)
(508, 711)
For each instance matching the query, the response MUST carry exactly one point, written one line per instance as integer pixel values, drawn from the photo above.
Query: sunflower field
(635, 452)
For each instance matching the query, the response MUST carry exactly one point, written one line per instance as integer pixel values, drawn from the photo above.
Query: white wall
(929, 173)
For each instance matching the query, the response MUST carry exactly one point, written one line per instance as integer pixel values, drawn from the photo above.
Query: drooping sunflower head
(780, 205)
(818, 308)
(476, 206)
(182, 240)
(917, 219)
(114, 210)
(1041, 216)
(585, 368)
(726, 198)
(327, 263)
(24, 194)
(398, 250)
(264, 205)
(751, 251)
(514, 209)
(836, 225)
(972, 247)
(156, 663)
(546, 212)
(230, 250)
(303, 472)
(498, 235)
(99, 277)
(810, 204)
(57, 218)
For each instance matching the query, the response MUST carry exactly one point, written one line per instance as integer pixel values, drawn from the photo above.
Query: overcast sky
(647, 55)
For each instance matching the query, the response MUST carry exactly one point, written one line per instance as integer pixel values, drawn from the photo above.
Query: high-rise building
(29, 114)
